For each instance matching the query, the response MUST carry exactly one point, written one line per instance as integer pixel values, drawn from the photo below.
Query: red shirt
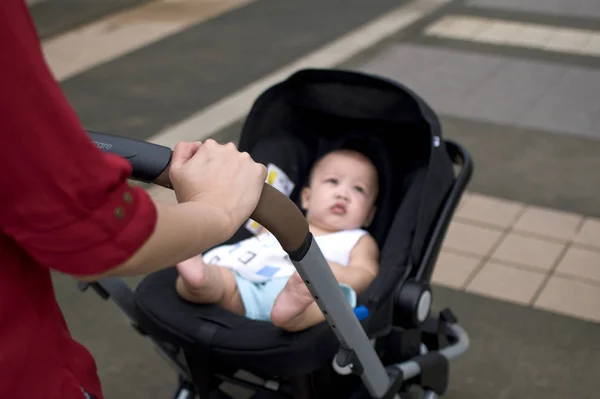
(59, 196)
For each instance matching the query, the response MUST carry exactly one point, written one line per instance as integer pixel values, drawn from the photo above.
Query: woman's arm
(67, 204)
(182, 231)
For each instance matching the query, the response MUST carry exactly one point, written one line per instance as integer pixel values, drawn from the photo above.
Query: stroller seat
(250, 344)
(290, 125)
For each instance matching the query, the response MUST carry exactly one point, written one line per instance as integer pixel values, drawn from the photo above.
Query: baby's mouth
(338, 209)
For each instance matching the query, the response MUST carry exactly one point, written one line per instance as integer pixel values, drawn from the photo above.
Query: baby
(255, 277)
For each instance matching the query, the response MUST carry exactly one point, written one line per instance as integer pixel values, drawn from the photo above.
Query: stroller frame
(443, 338)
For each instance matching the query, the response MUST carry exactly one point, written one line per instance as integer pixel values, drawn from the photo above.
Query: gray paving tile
(512, 91)
(590, 7)
(442, 77)
(570, 106)
(53, 17)
(534, 94)
(596, 121)
(572, 8)
(403, 60)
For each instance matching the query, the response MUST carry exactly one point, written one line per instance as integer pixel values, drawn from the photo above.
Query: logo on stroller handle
(103, 146)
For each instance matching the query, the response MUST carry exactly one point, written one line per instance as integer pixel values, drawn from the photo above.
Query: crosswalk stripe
(520, 34)
(81, 49)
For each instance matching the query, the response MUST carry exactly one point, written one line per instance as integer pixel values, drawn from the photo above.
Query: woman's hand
(219, 175)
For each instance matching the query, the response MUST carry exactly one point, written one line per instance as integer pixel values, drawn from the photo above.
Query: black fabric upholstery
(253, 345)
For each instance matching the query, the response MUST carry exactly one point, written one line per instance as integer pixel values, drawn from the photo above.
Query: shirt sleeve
(67, 204)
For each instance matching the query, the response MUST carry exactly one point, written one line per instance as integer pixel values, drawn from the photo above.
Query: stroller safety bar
(411, 368)
(278, 214)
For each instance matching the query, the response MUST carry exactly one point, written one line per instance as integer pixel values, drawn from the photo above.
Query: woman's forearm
(182, 231)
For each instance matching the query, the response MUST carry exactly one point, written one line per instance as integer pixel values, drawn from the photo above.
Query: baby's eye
(359, 189)
(331, 180)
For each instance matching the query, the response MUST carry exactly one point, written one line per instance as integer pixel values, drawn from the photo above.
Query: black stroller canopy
(350, 95)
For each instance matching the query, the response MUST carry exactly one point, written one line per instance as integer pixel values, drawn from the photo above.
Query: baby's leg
(294, 309)
(206, 283)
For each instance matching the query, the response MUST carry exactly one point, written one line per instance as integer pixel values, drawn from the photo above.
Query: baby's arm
(295, 309)
(362, 267)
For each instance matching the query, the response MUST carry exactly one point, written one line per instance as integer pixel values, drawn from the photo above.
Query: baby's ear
(305, 200)
(370, 217)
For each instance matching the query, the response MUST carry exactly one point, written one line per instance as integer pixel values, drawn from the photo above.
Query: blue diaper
(258, 298)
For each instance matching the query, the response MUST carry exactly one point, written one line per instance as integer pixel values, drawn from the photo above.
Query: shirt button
(119, 212)
(127, 198)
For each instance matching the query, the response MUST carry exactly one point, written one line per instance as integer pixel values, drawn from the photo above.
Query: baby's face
(342, 191)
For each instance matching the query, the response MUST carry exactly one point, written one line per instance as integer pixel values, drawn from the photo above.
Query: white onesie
(261, 258)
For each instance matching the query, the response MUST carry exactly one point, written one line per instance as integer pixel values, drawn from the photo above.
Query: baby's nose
(343, 194)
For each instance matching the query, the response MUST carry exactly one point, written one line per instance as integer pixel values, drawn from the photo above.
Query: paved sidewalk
(524, 254)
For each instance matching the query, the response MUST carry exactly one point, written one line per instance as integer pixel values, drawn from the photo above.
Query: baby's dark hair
(368, 146)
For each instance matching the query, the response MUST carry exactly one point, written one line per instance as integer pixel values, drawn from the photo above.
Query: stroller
(392, 342)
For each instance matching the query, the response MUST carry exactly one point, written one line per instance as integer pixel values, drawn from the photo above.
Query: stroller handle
(150, 164)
